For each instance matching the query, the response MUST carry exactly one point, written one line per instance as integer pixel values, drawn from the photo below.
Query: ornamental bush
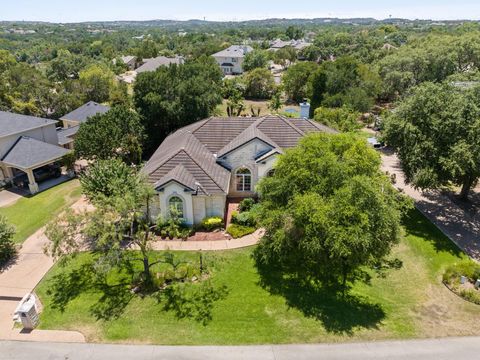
(211, 223)
(238, 231)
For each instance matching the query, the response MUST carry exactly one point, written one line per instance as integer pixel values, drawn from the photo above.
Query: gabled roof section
(215, 133)
(281, 130)
(11, 124)
(265, 156)
(180, 175)
(250, 133)
(182, 148)
(85, 111)
(234, 51)
(28, 153)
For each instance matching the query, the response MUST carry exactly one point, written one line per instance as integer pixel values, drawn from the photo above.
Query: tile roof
(153, 64)
(179, 174)
(85, 111)
(190, 154)
(11, 123)
(235, 51)
(28, 153)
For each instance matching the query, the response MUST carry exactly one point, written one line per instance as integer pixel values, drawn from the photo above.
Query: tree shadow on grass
(69, 285)
(339, 314)
(418, 225)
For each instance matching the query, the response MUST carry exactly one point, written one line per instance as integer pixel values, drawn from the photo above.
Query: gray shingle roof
(154, 63)
(85, 111)
(28, 153)
(65, 136)
(11, 123)
(234, 51)
(196, 148)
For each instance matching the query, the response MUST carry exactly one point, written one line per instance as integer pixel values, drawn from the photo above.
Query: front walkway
(213, 245)
(20, 278)
(456, 223)
(466, 348)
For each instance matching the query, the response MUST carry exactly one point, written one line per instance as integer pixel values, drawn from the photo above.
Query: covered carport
(28, 154)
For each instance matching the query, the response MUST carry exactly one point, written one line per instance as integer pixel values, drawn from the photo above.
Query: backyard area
(405, 301)
(28, 214)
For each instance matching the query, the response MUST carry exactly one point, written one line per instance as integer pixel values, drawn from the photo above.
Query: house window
(244, 179)
(234, 60)
(176, 205)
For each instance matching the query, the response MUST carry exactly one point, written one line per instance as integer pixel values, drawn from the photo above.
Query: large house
(71, 121)
(27, 143)
(231, 59)
(199, 166)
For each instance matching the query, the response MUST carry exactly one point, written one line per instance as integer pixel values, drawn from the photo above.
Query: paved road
(436, 349)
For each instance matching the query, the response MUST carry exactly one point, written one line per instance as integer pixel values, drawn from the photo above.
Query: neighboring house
(26, 144)
(199, 166)
(130, 61)
(71, 121)
(296, 44)
(154, 63)
(231, 59)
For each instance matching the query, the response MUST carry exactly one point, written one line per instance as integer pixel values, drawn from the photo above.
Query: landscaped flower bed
(461, 279)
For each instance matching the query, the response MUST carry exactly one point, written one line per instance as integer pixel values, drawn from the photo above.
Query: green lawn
(403, 303)
(31, 213)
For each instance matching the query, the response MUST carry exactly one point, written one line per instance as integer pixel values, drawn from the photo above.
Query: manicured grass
(402, 303)
(31, 213)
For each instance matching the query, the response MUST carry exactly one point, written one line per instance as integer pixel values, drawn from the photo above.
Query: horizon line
(239, 20)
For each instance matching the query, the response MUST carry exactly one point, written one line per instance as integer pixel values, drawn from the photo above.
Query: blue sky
(85, 10)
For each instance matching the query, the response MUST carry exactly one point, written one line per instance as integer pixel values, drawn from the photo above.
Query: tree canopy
(436, 132)
(175, 96)
(328, 211)
(117, 133)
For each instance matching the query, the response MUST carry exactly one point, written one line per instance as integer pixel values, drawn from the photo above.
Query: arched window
(271, 172)
(176, 204)
(244, 179)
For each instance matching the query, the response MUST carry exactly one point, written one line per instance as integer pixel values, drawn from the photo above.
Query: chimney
(305, 109)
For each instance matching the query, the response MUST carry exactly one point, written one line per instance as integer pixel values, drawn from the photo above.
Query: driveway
(9, 197)
(20, 278)
(435, 349)
(462, 227)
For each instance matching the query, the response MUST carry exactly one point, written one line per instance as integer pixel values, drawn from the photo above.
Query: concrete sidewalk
(433, 349)
(461, 227)
(20, 278)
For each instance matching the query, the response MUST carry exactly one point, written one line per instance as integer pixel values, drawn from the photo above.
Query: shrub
(7, 246)
(469, 269)
(173, 227)
(211, 223)
(471, 295)
(246, 204)
(238, 231)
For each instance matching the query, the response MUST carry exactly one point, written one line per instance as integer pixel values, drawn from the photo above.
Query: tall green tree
(295, 80)
(328, 211)
(259, 84)
(255, 59)
(436, 133)
(118, 133)
(97, 81)
(175, 96)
